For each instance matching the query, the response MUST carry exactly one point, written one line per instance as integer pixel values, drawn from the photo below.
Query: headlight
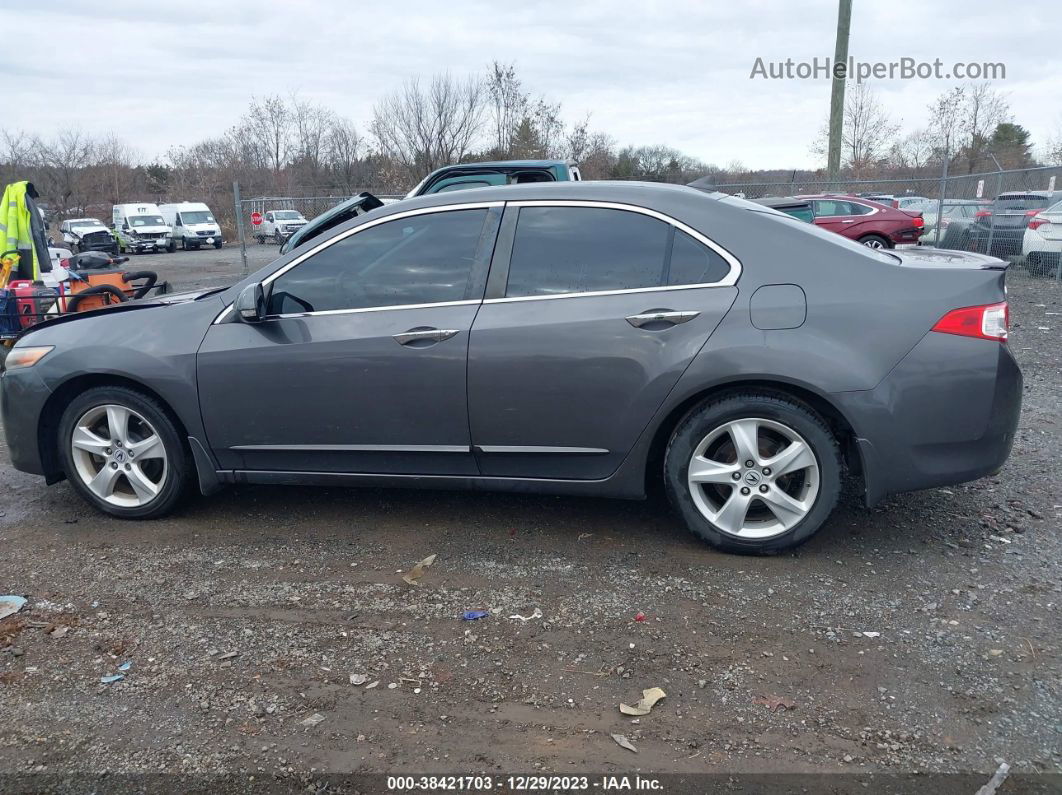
(26, 357)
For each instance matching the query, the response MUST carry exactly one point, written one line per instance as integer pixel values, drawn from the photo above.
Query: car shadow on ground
(484, 521)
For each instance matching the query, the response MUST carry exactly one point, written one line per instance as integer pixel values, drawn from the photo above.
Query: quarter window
(423, 259)
(692, 262)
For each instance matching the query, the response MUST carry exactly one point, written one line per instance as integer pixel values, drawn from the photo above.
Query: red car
(871, 223)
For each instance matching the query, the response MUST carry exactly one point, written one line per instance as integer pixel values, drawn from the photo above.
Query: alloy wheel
(119, 456)
(873, 243)
(753, 478)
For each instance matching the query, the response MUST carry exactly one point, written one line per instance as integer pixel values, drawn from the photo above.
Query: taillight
(982, 214)
(65, 263)
(989, 322)
(1038, 221)
(919, 222)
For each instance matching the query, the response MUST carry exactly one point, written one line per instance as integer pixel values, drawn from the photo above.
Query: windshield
(146, 220)
(84, 222)
(197, 217)
(287, 215)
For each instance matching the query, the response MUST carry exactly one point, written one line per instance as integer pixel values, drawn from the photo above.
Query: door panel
(338, 392)
(562, 387)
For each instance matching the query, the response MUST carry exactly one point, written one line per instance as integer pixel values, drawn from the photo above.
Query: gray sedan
(574, 338)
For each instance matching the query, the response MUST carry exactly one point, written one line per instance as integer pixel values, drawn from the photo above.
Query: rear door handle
(425, 336)
(660, 318)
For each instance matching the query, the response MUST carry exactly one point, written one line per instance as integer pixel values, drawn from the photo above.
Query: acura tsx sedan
(575, 338)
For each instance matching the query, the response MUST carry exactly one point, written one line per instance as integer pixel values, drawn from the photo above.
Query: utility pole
(840, 65)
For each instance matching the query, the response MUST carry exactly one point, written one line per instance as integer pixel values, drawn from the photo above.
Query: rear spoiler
(928, 257)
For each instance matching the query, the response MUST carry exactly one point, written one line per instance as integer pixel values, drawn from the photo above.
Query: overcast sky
(675, 72)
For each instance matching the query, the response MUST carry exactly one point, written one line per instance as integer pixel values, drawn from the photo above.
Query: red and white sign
(256, 218)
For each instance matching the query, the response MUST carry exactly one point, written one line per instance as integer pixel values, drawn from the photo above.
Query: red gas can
(33, 300)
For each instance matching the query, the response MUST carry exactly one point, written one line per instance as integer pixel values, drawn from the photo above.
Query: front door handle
(425, 336)
(653, 319)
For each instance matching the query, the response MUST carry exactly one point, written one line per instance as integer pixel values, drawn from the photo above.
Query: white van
(140, 227)
(194, 225)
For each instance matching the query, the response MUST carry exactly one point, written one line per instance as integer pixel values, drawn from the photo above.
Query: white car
(193, 224)
(1042, 245)
(87, 234)
(278, 225)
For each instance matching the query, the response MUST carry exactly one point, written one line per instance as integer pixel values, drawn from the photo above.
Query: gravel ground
(922, 635)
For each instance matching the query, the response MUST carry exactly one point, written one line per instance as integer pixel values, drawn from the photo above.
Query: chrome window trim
(466, 302)
(221, 318)
(727, 281)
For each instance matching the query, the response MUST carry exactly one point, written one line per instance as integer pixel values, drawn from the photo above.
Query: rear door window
(830, 208)
(565, 250)
(559, 250)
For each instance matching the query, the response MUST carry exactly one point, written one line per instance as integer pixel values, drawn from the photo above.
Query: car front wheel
(753, 472)
(122, 453)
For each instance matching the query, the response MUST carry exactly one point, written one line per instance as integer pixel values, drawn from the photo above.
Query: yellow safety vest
(15, 230)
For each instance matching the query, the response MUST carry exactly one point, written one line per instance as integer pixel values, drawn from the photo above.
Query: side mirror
(250, 304)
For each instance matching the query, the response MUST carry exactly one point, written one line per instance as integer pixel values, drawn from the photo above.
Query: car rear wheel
(753, 472)
(874, 241)
(123, 454)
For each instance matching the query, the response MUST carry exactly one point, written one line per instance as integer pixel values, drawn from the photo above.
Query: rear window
(1027, 202)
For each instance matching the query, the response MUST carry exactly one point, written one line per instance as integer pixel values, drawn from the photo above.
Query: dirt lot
(922, 636)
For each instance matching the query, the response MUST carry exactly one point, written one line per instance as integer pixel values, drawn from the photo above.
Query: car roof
(781, 201)
(509, 164)
(646, 194)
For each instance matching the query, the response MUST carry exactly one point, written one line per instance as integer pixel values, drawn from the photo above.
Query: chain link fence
(270, 220)
(994, 212)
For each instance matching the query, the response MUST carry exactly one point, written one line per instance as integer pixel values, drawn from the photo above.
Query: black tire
(217, 243)
(710, 415)
(179, 474)
(875, 241)
(171, 246)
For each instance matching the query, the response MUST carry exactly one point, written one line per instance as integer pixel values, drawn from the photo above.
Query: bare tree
(268, 125)
(508, 105)
(945, 123)
(1053, 150)
(345, 148)
(913, 152)
(867, 134)
(424, 129)
(311, 127)
(984, 110)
